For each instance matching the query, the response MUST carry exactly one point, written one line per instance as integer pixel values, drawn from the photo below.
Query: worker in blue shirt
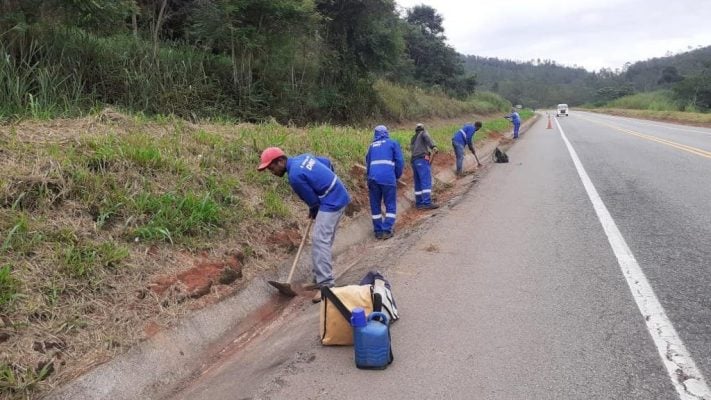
(317, 185)
(465, 137)
(515, 120)
(384, 163)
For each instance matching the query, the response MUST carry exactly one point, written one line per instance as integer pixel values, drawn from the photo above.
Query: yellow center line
(683, 147)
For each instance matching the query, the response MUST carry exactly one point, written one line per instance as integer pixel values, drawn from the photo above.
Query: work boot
(310, 286)
(378, 235)
(386, 235)
(430, 206)
(317, 297)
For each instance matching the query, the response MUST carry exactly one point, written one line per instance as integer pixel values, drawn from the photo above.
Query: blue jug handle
(376, 314)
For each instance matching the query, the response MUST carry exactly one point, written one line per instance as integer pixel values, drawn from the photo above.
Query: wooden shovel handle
(298, 253)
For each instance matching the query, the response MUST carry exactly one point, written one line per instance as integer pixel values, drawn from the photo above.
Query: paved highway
(580, 270)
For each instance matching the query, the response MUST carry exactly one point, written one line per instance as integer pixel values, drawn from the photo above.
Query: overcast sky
(589, 33)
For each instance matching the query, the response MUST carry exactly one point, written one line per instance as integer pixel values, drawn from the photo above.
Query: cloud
(603, 33)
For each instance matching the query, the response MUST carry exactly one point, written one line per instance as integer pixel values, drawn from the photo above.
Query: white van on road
(562, 110)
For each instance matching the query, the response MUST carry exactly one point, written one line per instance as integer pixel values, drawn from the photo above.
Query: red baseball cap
(268, 155)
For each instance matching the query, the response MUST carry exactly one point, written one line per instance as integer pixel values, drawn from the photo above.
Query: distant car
(562, 110)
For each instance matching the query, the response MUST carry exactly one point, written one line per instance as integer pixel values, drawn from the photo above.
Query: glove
(313, 211)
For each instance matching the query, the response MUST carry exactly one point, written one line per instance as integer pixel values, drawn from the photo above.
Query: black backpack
(500, 156)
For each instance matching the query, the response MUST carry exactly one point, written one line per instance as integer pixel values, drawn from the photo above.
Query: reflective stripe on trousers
(379, 194)
(422, 175)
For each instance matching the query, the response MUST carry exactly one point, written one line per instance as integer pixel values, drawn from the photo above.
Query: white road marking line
(687, 378)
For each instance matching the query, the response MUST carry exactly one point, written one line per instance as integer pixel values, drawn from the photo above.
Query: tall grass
(660, 100)
(65, 71)
(407, 103)
(659, 105)
(36, 88)
(54, 72)
(488, 102)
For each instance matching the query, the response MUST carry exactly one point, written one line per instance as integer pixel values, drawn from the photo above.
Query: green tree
(695, 90)
(269, 44)
(427, 19)
(435, 63)
(614, 92)
(362, 39)
(669, 75)
(103, 16)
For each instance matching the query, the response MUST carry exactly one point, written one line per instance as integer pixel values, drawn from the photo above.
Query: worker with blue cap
(384, 164)
(515, 120)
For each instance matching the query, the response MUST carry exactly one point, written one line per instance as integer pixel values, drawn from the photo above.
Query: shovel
(476, 158)
(285, 287)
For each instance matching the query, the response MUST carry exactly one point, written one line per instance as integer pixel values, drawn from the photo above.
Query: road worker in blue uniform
(461, 138)
(384, 163)
(515, 120)
(422, 148)
(317, 185)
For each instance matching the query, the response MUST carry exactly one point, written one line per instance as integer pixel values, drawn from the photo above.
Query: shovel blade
(284, 288)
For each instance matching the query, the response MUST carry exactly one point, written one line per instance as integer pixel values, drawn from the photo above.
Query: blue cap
(358, 317)
(381, 129)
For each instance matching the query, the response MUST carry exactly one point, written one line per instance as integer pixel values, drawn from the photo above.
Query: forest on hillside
(296, 61)
(543, 83)
(292, 60)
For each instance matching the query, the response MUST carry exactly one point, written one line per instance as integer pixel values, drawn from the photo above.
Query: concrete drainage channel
(158, 365)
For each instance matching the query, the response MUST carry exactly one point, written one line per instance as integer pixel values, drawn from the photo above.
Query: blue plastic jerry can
(371, 339)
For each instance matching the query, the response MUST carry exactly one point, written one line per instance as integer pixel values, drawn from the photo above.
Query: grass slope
(95, 212)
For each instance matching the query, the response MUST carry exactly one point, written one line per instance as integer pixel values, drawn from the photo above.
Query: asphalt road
(519, 291)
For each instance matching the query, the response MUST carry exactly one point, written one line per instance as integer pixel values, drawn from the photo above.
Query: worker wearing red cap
(313, 180)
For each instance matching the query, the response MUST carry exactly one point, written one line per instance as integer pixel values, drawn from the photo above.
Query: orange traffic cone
(549, 123)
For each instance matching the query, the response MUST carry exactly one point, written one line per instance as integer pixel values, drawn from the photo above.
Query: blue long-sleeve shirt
(515, 118)
(465, 136)
(325, 161)
(316, 184)
(384, 161)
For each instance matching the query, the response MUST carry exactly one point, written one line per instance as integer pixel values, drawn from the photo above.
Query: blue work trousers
(515, 133)
(378, 195)
(459, 155)
(422, 175)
